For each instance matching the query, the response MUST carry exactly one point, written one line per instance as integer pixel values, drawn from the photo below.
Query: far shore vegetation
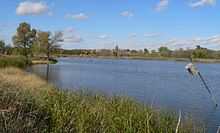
(199, 54)
(42, 47)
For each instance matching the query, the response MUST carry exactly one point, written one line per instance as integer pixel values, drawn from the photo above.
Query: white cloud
(79, 17)
(192, 43)
(104, 36)
(201, 3)
(180, 43)
(127, 14)
(50, 13)
(133, 35)
(213, 40)
(31, 8)
(163, 4)
(71, 36)
(152, 34)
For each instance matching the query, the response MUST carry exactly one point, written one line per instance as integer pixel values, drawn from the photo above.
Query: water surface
(164, 84)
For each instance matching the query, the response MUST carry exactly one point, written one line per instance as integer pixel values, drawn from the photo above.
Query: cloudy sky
(134, 24)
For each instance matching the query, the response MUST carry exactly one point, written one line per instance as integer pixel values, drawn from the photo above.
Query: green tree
(49, 42)
(181, 53)
(146, 51)
(164, 51)
(2, 47)
(24, 38)
(200, 52)
(36, 49)
(8, 50)
(153, 53)
(43, 41)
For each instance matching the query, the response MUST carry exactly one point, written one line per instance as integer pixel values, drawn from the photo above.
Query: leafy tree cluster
(2, 47)
(29, 41)
(24, 39)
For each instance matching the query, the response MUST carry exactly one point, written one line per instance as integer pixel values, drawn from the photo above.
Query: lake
(164, 84)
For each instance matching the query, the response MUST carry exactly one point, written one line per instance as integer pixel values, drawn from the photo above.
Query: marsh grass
(13, 61)
(29, 104)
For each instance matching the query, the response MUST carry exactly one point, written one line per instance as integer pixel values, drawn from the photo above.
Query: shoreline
(197, 60)
(39, 61)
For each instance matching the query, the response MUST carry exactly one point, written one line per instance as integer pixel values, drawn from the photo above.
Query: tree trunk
(48, 52)
(26, 54)
(48, 55)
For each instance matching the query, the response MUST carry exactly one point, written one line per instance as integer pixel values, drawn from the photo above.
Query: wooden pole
(207, 88)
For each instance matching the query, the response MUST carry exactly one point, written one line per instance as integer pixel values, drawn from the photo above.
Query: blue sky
(128, 23)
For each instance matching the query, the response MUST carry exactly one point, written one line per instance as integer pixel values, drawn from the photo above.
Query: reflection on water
(164, 83)
(48, 72)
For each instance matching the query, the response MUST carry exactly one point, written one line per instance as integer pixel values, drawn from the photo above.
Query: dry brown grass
(40, 62)
(22, 106)
(17, 78)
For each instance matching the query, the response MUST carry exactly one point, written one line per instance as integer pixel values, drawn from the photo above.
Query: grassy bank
(35, 62)
(43, 60)
(29, 104)
(15, 61)
(20, 61)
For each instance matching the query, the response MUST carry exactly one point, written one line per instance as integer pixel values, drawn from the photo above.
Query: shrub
(14, 61)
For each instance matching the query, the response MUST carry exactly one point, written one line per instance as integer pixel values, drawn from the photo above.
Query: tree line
(198, 52)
